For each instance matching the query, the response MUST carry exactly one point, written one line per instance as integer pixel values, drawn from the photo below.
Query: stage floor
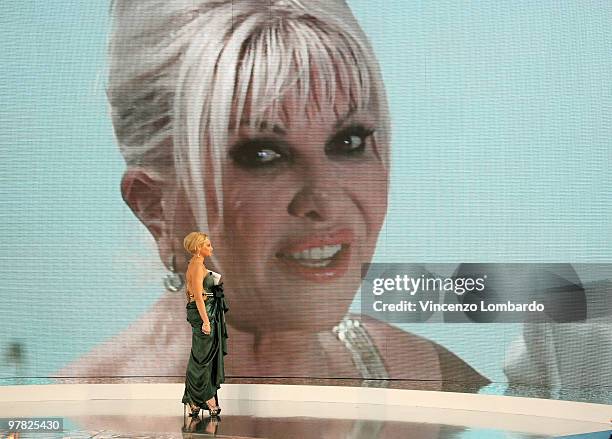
(247, 419)
(293, 411)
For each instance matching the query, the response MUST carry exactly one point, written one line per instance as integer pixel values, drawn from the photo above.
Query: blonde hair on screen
(193, 241)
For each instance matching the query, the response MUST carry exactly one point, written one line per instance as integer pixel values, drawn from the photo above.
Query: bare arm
(197, 288)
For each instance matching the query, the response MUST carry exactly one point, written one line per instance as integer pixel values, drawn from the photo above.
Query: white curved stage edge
(531, 415)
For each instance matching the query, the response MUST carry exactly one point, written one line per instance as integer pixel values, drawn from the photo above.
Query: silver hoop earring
(175, 281)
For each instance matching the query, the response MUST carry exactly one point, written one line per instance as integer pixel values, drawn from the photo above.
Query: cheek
(253, 212)
(369, 188)
(378, 194)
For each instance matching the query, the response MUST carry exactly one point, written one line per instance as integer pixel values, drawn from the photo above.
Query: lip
(342, 236)
(339, 265)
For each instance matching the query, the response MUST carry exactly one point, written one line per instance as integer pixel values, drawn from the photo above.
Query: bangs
(254, 68)
(319, 67)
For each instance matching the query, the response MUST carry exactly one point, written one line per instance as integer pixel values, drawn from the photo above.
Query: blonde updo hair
(193, 241)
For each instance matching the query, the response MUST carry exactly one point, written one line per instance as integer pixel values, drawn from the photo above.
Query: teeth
(317, 264)
(317, 253)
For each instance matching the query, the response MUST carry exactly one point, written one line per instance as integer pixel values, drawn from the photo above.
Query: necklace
(366, 357)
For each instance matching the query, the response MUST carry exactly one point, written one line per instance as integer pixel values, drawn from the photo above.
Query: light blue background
(502, 119)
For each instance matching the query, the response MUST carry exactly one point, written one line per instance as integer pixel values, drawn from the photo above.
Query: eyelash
(353, 131)
(243, 152)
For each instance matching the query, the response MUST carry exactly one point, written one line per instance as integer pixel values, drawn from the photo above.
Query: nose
(317, 203)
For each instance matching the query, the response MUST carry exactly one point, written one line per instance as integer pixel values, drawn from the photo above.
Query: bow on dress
(222, 307)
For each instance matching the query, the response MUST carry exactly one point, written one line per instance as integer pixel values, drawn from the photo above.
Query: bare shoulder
(159, 333)
(195, 269)
(410, 356)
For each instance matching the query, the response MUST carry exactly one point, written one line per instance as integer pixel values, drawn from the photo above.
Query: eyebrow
(344, 118)
(277, 129)
(265, 126)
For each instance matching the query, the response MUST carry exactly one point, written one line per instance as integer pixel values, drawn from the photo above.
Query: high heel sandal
(194, 411)
(217, 402)
(213, 412)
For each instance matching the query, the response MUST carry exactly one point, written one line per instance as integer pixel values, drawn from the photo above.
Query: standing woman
(205, 312)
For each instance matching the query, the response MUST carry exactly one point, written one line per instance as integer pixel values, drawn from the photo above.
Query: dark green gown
(205, 371)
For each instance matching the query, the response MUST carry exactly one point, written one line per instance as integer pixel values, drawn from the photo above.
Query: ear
(143, 192)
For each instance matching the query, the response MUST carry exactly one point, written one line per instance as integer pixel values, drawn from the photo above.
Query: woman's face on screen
(303, 206)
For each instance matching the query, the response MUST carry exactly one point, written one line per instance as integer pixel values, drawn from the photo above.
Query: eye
(350, 141)
(259, 153)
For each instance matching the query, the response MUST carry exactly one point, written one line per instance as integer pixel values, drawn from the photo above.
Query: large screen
(321, 145)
